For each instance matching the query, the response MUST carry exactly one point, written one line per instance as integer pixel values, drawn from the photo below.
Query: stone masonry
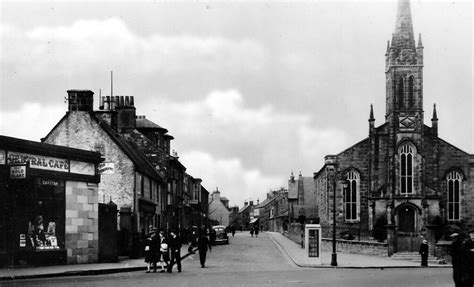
(82, 222)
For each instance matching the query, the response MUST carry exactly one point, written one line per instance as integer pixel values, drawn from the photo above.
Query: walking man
(203, 243)
(175, 251)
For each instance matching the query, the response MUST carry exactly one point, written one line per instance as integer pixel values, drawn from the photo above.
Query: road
(248, 261)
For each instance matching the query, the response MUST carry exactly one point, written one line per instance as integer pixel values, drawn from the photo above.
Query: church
(402, 183)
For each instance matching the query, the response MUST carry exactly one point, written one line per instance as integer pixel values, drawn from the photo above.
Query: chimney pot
(127, 101)
(101, 103)
(107, 103)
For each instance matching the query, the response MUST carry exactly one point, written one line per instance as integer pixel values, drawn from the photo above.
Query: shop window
(41, 215)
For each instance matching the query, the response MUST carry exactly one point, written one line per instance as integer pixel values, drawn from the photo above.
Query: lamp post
(337, 176)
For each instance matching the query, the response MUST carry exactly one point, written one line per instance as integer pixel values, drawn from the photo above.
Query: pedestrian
(251, 231)
(193, 239)
(202, 244)
(470, 257)
(256, 231)
(456, 258)
(164, 252)
(174, 244)
(233, 230)
(424, 253)
(150, 251)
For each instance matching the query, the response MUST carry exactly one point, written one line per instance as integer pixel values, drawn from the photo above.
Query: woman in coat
(151, 251)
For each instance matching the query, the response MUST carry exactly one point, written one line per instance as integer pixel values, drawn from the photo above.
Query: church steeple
(403, 37)
(404, 75)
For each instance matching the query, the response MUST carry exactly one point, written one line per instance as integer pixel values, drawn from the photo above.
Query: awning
(253, 220)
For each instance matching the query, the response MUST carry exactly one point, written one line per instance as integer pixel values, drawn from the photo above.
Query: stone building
(127, 178)
(403, 182)
(302, 204)
(219, 208)
(139, 173)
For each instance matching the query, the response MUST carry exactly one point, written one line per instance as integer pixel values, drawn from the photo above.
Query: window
(406, 169)
(454, 192)
(401, 88)
(351, 197)
(411, 86)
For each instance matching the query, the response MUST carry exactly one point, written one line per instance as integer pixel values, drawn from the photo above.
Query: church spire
(371, 117)
(434, 121)
(403, 37)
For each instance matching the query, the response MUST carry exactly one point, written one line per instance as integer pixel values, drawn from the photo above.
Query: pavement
(296, 254)
(290, 249)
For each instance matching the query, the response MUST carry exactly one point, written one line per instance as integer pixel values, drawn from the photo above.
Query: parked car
(221, 234)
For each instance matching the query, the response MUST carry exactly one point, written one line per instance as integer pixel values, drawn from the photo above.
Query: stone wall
(82, 222)
(358, 247)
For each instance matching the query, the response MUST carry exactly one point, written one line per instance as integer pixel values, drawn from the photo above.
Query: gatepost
(312, 244)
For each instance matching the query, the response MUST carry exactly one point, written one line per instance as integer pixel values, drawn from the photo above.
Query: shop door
(108, 238)
(407, 237)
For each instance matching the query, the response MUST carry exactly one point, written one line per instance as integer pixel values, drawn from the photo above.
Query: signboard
(106, 168)
(38, 161)
(18, 172)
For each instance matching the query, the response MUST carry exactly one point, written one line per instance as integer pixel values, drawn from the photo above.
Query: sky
(251, 91)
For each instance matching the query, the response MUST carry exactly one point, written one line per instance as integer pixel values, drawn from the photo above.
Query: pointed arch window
(401, 90)
(411, 87)
(406, 169)
(454, 181)
(351, 197)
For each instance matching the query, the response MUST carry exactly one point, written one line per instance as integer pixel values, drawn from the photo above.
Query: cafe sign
(38, 161)
(17, 171)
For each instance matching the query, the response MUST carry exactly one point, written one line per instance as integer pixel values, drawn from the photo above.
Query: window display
(45, 216)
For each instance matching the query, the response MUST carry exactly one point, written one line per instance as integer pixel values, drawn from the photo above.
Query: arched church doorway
(408, 239)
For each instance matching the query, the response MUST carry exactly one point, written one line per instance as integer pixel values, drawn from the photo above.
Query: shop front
(49, 206)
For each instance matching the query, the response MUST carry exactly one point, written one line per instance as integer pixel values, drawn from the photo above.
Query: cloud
(31, 121)
(248, 144)
(97, 43)
(234, 181)
(81, 55)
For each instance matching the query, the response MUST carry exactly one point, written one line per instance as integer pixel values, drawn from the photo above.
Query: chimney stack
(80, 100)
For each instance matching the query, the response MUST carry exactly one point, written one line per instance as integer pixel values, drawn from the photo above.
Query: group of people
(462, 254)
(254, 230)
(165, 251)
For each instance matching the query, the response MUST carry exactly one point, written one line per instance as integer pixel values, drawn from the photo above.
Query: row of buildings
(99, 176)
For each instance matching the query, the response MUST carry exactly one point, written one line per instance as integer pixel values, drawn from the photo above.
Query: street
(248, 261)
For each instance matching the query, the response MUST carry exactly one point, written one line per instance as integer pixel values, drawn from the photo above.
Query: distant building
(302, 202)
(219, 208)
(245, 215)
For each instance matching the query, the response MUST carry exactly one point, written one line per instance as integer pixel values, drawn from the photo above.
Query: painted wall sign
(18, 171)
(82, 167)
(38, 161)
(106, 168)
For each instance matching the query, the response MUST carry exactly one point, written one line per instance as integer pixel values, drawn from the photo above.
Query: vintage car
(220, 234)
